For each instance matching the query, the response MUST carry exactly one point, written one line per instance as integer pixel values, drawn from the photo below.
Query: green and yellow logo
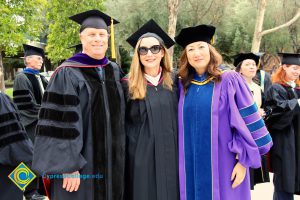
(22, 176)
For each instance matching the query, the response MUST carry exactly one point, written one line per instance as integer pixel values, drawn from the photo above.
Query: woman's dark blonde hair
(186, 71)
(137, 84)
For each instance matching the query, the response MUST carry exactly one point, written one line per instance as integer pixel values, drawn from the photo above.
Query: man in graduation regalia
(29, 87)
(15, 147)
(81, 122)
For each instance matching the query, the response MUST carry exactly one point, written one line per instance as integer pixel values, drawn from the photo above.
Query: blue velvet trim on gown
(197, 140)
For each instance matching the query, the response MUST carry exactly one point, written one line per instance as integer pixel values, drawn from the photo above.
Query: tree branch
(294, 19)
(207, 10)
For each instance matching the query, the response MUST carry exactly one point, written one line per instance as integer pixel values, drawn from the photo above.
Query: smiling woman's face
(151, 60)
(198, 55)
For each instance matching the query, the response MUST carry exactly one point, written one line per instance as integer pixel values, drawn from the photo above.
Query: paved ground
(265, 191)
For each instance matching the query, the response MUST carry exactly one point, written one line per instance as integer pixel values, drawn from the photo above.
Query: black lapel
(36, 87)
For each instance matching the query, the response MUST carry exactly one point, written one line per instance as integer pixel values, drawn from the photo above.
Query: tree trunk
(173, 6)
(259, 33)
(2, 84)
(258, 26)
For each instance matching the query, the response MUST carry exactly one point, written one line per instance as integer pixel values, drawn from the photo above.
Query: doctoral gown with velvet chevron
(27, 95)
(81, 128)
(218, 121)
(15, 147)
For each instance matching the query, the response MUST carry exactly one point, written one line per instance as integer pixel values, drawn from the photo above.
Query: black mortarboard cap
(32, 50)
(244, 56)
(93, 19)
(198, 33)
(78, 47)
(290, 58)
(150, 29)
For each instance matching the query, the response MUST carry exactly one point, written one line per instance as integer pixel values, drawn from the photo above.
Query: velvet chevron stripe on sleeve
(256, 126)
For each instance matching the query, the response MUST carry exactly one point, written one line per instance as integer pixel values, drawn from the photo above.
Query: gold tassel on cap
(212, 41)
(112, 40)
(258, 64)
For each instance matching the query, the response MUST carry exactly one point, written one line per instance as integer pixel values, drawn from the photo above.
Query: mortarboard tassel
(212, 41)
(258, 64)
(112, 40)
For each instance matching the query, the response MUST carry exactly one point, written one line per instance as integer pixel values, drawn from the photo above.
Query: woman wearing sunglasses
(151, 118)
(221, 133)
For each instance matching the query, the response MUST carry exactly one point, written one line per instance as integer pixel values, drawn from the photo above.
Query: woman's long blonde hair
(186, 71)
(137, 84)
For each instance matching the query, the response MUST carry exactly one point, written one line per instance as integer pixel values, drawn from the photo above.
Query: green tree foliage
(284, 40)
(234, 19)
(19, 20)
(63, 32)
(132, 14)
(235, 30)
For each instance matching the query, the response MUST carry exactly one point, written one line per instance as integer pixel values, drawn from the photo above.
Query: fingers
(71, 184)
(65, 181)
(233, 174)
(237, 181)
(235, 184)
(238, 174)
(77, 185)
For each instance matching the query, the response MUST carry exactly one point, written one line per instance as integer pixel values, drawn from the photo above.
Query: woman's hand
(261, 112)
(238, 174)
(71, 181)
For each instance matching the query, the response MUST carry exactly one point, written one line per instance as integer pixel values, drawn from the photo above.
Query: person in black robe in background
(15, 147)
(282, 100)
(244, 63)
(151, 118)
(81, 123)
(29, 87)
(28, 90)
(262, 78)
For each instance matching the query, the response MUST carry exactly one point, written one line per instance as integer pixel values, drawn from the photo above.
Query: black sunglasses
(154, 49)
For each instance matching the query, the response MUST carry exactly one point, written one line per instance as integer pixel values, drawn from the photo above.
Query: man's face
(34, 62)
(94, 42)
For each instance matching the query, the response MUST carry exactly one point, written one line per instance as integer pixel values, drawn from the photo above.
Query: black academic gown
(260, 175)
(27, 95)
(267, 80)
(81, 127)
(284, 126)
(151, 145)
(15, 147)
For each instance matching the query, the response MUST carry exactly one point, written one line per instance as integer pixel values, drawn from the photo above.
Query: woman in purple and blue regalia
(221, 133)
